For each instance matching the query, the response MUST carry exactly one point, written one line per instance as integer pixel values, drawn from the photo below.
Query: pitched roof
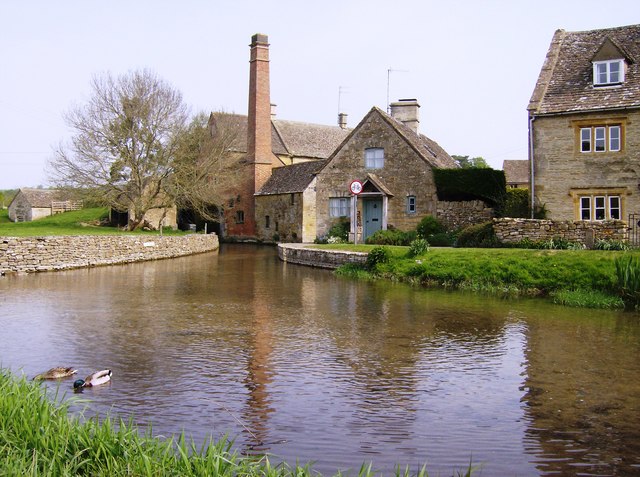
(41, 198)
(291, 179)
(516, 171)
(565, 83)
(297, 139)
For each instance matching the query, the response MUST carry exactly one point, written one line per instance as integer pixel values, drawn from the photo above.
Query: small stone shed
(32, 204)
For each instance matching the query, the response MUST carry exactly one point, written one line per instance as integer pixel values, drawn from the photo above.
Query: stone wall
(40, 254)
(514, 230)
(464, 213)
(314, 257)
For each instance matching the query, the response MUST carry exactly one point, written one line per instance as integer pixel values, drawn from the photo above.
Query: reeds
(628, 279)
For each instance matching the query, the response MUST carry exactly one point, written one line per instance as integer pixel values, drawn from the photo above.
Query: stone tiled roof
(291, 138)
(291, 179)
(516, 171)
(565, 83)
(42, 198)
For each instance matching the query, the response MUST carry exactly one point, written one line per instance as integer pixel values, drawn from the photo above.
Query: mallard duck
(56, 373)
(95, 379)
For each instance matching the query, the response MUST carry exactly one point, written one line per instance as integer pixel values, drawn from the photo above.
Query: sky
(471, 64)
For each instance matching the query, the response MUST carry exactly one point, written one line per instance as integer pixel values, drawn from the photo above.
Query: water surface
(304, 365)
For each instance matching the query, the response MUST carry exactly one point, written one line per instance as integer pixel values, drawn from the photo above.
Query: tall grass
(39, 437)
(628, 279)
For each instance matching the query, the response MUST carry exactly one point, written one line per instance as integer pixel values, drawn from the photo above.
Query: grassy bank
(41, 438)
(78, 222)
(571, 277)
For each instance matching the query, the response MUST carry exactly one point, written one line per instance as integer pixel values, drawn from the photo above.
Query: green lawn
(78, 222)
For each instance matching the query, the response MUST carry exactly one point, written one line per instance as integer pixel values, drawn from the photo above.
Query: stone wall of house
(562, 174)
(314, 257)
(514, 230)
(461, 214)
(285, 218)
(41, 254)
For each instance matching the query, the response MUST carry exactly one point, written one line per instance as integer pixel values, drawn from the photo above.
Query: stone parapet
(42, 254)
(510, 230)
(302, 254)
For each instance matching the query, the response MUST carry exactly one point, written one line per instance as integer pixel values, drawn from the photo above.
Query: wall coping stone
(307, 254)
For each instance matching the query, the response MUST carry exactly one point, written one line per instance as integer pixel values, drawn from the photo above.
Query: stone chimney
(259, 151)
(342, 120)
(406, 111)
(273, 111)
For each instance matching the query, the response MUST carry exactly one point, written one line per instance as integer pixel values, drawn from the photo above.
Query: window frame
(342, 209)
(411, 204)
(606, 76)
(371, 158)
(598, 137)
(239, 216)
(600, 207)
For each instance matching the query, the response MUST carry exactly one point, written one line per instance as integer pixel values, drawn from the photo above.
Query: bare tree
(124, 147)
(208, 164)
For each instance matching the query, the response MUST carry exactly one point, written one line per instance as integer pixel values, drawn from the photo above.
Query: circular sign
(355, 187)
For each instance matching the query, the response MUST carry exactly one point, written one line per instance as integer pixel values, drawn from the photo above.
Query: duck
(56, 373)
(94, 379)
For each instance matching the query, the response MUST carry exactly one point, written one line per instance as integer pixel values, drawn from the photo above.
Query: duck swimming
(56, 373)
(95, 379)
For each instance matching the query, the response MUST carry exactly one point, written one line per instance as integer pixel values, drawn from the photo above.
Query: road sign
(355, 187)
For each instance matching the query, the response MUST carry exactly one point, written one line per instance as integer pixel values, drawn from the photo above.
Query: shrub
(429, 225)
(340, 230)
(517, 204)
(444, 239)
(628, 279)
(418, 247)
(377, 255)
(478, 236)
(388, 237)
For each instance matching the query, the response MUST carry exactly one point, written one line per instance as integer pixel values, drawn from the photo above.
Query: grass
(41, 438)
(78, 222)
(571, 277)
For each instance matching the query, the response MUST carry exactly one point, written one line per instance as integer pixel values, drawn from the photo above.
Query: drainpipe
(532, 180)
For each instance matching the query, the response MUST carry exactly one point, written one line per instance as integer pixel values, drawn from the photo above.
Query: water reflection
(301, 364)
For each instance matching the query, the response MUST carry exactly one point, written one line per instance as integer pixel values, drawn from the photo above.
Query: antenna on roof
(389, 71)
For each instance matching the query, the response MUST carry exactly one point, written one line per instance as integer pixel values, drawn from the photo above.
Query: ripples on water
(304, 365)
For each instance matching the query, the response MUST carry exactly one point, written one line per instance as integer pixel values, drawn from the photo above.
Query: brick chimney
(259, 151)
(406, 111)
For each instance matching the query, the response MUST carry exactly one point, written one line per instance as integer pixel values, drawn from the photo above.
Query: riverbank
(584, 278)
(40, 437)
(52, 253)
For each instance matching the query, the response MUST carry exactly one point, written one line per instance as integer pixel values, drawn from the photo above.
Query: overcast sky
(471, 65)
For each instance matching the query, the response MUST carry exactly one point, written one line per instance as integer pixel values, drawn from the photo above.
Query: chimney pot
(273, 110)
(342, 120)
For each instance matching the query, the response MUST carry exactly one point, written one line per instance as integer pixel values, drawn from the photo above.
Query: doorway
(372, 209)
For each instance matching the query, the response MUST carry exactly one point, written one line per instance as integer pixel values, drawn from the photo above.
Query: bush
(517, 204)
(340, 230)
(389, 237)
(377, 255)
(478, 236)
(418, 247)
(445, 239)
(429, 225)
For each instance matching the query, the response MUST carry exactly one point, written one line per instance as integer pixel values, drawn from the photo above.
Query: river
(307, 366)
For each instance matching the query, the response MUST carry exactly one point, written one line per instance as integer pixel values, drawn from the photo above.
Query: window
(601, 138)
(608, 72)
(339, 207)
(374, 158)
(411, 204)
(600, 207)
(240, 217)
(267, 221)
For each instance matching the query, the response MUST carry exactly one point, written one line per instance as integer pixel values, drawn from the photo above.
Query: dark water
(304, 365)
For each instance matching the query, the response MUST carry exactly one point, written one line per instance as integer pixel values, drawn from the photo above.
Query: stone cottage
(32, 204)
(584, 126)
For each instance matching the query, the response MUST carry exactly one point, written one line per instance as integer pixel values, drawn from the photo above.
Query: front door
(372, 216)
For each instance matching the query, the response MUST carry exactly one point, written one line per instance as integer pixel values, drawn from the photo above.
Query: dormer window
(606, 73)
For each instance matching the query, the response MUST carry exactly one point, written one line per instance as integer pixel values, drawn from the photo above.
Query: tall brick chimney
(259, 151)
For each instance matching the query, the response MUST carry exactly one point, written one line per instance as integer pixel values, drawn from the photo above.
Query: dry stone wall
(303, 255)
(463, 213)
(41, 254)
(514, 230)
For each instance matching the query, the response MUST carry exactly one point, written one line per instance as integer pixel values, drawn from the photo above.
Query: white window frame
(411, 204)
(597, 208)
(601, 138)
(374, 158)
(339, 206)
(604, 74)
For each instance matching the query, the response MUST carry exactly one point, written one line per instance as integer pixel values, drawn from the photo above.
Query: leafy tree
(466, 163)
(124, 144)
